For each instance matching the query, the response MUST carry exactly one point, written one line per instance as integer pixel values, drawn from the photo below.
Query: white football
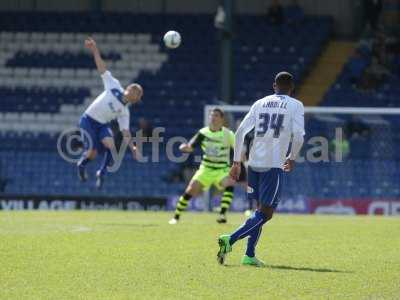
(172, 39)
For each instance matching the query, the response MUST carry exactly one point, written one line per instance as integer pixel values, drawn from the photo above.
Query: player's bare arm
(297, 143)
(194, 141)
(186, 148)
(245, 126)
(234, 173)
(90, 43)
(128, 139)
(288, 166)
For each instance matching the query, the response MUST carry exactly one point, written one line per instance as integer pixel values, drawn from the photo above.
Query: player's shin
(252, 242)
(106, 162)
(252, 224)
(84, 160)
(182, 205)
(226, 199)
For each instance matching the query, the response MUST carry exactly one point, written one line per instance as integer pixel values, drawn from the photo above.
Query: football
(172, 39)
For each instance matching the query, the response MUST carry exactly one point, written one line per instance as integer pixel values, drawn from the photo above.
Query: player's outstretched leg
(109, 145)
(194, 189)
(83, 161)
(103, 169)
(180, 207)
(82, 174)
(252, 227)
(224, 248)
(226, 201)
(252, 224)
(88, 136)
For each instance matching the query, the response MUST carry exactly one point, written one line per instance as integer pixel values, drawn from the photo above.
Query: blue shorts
(93, 132)
(265, 187)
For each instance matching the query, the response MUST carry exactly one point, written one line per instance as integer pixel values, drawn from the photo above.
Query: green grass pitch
(137, 255)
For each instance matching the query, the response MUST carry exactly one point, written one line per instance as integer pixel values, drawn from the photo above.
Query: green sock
(182, 205)
(226, 199)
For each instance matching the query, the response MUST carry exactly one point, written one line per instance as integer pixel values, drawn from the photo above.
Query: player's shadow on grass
(321, 270)
(129, 224)
(289, 268)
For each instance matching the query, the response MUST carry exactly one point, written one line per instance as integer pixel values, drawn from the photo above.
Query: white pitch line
(81, 229)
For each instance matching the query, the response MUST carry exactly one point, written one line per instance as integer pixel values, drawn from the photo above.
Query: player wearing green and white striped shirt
(216, 142)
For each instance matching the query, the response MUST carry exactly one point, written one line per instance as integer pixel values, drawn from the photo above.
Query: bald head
(133, 93)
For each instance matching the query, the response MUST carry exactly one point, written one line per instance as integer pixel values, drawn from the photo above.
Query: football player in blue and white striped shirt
(111, 104)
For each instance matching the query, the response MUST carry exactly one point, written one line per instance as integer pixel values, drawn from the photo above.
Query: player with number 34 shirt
(275, 119)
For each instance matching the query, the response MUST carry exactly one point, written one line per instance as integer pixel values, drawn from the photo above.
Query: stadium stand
(282, 48)
(371, 77)
(47, 80)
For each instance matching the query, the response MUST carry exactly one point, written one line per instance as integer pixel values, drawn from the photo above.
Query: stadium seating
(47, 80)
(375, 154)
(291, 48)
(351, 88)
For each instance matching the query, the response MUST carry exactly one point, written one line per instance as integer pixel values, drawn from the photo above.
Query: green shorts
(208, 177)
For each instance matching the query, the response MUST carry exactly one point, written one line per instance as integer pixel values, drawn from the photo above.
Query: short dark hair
(284, 79)
(218, 110)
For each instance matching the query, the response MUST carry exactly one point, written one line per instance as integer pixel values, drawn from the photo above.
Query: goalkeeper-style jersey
(215, 146)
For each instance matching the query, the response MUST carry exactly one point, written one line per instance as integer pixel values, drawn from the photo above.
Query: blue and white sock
(83, 161)
(106, 162)
(252, 225)
(252, 242)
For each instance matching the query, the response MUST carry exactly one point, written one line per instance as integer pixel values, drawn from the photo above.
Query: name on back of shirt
(275, 104)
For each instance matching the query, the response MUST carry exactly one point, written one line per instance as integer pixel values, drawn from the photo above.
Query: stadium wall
(307, 205)
(46, 202)
(343, 11)
(298, 205)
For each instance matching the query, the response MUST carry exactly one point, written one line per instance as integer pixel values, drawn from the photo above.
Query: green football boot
(224, 248)
(252, 261)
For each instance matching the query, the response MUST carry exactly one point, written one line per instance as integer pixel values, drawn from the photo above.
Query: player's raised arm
(245, 126)
(90, 43)
(297, 138)
(194, 141)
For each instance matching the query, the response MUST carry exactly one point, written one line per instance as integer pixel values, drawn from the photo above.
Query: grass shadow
(232, 266)
(129, 225)
(290, 268)
(307, 269)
